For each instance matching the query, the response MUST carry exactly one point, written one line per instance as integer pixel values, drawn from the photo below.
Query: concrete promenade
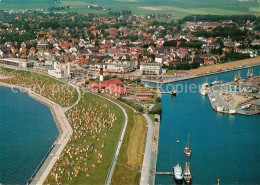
(148, 150)
(64, 128)
(171, 78)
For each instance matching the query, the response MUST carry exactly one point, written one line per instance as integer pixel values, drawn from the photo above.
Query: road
(148, 150)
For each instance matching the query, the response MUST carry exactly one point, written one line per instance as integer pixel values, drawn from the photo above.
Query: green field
(178, 8)
(25, 4)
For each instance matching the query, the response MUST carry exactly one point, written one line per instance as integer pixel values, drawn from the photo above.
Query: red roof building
(113, 87)
(144, 96)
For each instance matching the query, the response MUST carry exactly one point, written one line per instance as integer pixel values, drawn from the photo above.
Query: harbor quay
(240, 96)
(167, 79)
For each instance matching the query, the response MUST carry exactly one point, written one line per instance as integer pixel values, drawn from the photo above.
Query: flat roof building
(16, 62)
(151, 68)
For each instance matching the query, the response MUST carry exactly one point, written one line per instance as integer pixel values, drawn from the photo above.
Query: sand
(225, 65)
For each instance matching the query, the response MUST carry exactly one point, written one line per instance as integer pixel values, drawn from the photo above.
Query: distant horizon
(178, 8)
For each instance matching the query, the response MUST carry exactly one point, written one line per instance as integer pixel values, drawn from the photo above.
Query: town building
(114, 87)
(151, 68)
(120, 67)
(18, 63)
(144, 96)
(60, 70)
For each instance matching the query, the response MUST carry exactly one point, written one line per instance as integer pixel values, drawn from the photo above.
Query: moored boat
(186, 173)
(178, 175)
(187, 150)
(204, 90)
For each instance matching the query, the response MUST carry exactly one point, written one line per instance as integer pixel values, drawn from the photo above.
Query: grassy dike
(53, 89)
(129, 163)
(130, 159)
(97, 174)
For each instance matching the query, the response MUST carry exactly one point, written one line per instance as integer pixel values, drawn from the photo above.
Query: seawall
(65, 130)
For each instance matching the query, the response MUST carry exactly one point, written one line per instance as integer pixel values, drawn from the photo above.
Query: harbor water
(27, 132)
(225, 147)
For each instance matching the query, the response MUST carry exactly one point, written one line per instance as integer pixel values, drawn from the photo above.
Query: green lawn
(48, 87)
(130, 159)
(98, 174)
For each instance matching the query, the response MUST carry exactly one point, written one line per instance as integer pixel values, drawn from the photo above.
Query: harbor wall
(154, 153)
(171, 80)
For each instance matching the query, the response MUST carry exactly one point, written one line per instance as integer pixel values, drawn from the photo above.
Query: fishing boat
(204, 90)
(187, 150)
(178, 175)
(186, 173)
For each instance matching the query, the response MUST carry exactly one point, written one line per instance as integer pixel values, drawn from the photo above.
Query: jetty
(165, 173)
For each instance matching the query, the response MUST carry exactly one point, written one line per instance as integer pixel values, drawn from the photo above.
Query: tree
(158, 99)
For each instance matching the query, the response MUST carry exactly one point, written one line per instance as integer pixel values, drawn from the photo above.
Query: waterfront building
(120, 67)
(60, 70)
(18, 63)
(151, 68)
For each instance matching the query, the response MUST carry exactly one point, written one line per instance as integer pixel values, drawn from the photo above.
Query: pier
(165, 173)
(169, 92)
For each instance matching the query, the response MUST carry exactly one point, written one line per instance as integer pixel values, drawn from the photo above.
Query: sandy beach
(224, 65)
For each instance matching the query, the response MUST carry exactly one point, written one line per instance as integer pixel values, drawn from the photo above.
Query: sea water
(27, 132)
(225, 147)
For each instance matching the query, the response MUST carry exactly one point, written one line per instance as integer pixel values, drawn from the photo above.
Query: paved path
(79, 97)
(148, 150)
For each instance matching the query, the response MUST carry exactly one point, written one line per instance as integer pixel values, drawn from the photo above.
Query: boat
(215, 82)
(174, 92)
(204, 90)
(187, 150)
(235, 78)
(252, 73)
(178, 141)
(186, 173)
(248, 74)
(177, 171)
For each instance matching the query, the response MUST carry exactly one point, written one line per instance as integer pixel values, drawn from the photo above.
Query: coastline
(154, 153)
(151, 151)
(65, 132)
(199, 75)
